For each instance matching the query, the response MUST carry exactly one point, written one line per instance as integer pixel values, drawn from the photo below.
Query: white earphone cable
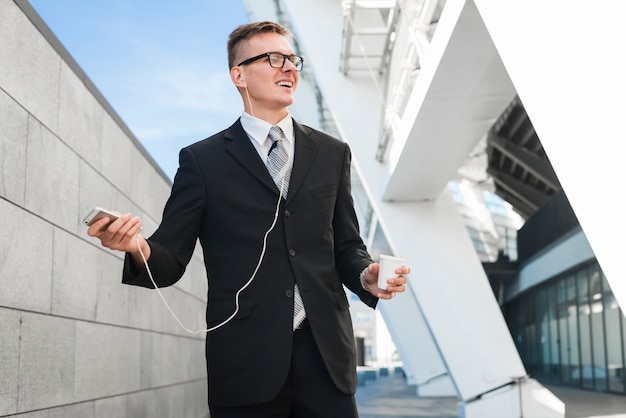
(261, 256)
(249, 101)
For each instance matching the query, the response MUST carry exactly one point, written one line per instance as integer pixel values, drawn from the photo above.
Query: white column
(357, 107)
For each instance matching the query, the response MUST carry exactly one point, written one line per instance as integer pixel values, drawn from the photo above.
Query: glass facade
(490, 221)
(570, 331)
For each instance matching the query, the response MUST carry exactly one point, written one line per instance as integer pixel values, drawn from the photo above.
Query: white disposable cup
(387, 270)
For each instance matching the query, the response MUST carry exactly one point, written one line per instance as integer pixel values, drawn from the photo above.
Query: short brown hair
(244, 32)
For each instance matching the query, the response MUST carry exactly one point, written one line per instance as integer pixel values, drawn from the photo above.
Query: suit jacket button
(287, 214)
(289, 293)
(292, 252)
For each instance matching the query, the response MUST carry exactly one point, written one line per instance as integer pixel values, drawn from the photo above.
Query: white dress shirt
(258, 130)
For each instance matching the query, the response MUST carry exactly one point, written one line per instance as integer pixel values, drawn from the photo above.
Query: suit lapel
(239, 146)
(305, 150)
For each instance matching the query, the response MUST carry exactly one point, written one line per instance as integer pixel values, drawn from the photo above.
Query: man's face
(270, 89)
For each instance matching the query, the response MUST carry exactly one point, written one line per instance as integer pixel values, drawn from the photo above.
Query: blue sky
(160, 64)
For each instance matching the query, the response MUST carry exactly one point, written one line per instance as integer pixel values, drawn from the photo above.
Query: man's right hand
(123, 235)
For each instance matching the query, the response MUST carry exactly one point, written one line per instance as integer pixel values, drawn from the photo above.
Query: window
(570, 331)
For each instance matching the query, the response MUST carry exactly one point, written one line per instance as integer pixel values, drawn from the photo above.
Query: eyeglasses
(277, 60)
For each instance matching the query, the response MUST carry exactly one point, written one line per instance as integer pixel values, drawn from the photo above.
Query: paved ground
(588, 404)
(390, 396)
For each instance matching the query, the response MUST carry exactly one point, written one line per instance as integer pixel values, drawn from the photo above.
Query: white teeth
(285, 83)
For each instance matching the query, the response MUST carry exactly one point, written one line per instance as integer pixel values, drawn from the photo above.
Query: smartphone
(99, 213)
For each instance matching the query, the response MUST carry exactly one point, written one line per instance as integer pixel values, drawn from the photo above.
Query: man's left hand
(369, 281)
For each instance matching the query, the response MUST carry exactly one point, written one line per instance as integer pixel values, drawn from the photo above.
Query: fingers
(395, 284)
(122, 233)
(97, 228)
(118, 235)
(403, 270)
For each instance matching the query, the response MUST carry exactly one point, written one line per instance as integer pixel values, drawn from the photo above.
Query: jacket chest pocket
(324, 192)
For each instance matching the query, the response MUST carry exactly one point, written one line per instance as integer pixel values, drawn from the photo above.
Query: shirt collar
(258, 129)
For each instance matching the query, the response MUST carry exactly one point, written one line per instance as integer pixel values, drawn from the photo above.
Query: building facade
(562, 313)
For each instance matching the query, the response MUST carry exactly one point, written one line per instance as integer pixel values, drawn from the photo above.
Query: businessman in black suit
(277, 236)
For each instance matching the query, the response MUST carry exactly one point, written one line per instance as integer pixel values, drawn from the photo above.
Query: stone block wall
(74, 341)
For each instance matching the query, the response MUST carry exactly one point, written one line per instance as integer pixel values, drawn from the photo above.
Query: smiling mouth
(285, 84)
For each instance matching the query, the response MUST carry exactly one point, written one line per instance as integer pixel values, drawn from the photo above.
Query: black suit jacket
(224, 195)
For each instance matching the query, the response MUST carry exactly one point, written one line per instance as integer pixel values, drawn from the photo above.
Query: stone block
(196, 399)
(112, 295)
(160, 189)
(169, 360)
(26, 262)
(125, 205)
(95, 190)
(81, 410)
(115, 407)
(46, 362)
(9, 359)
(51, 178)
(146, 372)
(74, 277)
(139, 307)
(166, 361)
(13, 139)
(116, 154)
(185, 400)
(80, 117)
(32, 79)
(143, 404)
(141, 171)
(149, 223)
(188, 310)
(192, 363)
(107, 360)
(34, 414)
(196, 362)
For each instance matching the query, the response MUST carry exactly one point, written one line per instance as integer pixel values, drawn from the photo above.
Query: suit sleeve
(174, 241)
(351, 256)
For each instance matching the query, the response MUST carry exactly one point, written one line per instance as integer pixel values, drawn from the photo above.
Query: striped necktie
(278, 167)
(277, 160)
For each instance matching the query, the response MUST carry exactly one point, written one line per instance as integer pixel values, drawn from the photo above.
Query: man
(273, 211)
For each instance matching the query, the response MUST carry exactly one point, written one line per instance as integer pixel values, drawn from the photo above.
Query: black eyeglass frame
(286, 57)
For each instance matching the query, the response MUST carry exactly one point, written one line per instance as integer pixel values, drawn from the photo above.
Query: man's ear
(237, 77)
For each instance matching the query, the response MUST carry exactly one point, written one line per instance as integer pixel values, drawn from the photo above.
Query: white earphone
(245, 87)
